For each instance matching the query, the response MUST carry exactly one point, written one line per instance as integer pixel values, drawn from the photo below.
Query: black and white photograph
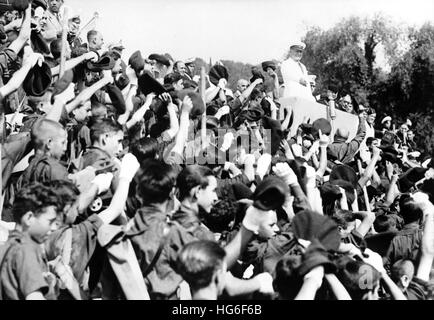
(239, 151)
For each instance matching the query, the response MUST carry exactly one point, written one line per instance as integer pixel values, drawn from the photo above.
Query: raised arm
(87, 93)
(24, 35)
(323, 143)
(427, 245)
(337, 287)
(367, 175)
(246, 94)
(129, 167)
(368, 219)
(72, 63)
(311, 283)
(140, 113)
(30, 60)
(184, 123)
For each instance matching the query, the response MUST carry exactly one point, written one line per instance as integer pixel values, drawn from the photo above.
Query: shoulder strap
(67, 245)
(157, 255)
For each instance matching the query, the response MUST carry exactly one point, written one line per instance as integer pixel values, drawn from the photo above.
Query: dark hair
(56, 48)
(370, 111)
(384, 223)
(66, 191)
(287, 281)
(155, 180)
(409, 210)
(191, 177)
(353, 273)
(103, 127)
(172, 78)
(343, 217)
(221, 215)
(33, 198)
(255, 94)
(198, 261)
(145, 148)
(370, 140)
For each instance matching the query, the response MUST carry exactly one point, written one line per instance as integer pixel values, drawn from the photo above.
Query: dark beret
(189, 84)
(38, 43)
(160, 58)
(323, 125)
(251, 114)
(257, 74)
(40, 3)
(268, 64)
(104, 63)
(390, 154)
(147, 84)
(38, 80)
(218, 72)
(309, 225)
(241, 191)
(407, 180)
(270, 194)
(122, 81)
(136, 61)
(20, 5)
(344, 172)
(315, 255)
(172, 78)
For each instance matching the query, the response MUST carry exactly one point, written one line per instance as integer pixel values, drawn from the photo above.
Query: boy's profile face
(207, 197)
(113, 143)
(269, 228)
(59, 144)
(41, 226)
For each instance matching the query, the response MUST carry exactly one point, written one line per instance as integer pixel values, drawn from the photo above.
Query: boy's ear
(103, 139)
(27, 219)
(49, 143)
(194, 192)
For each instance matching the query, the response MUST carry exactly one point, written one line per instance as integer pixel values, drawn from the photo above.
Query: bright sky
(242, 30)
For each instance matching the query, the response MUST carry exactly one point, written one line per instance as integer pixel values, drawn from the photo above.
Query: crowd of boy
(111, 191)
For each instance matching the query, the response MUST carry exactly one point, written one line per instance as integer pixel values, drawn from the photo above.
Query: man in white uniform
(294, 73)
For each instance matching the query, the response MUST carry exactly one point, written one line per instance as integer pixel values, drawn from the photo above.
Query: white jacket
(292, 72)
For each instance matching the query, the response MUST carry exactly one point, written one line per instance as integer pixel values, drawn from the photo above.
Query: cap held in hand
(38, 80)
(270, 194)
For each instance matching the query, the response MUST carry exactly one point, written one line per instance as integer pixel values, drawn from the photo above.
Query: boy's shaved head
(43, 130)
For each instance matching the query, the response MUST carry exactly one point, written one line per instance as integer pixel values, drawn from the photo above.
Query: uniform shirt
(344, 152)
(84, 241)
(405, 245)
(145, 235)
(23, 267)
(43, 168)
(417, 290)
(189, 219)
